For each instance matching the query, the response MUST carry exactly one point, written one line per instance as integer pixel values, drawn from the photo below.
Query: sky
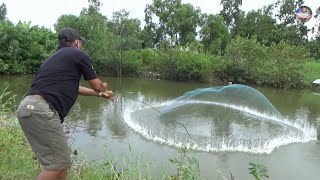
(46, 12)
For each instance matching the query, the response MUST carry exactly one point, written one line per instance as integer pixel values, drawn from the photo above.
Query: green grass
(313, 71)
(16, 160)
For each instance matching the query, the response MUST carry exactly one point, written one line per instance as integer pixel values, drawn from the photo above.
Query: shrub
(243, 58)
(280, 65)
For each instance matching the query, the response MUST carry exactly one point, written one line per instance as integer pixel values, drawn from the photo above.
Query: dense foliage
(178, 42)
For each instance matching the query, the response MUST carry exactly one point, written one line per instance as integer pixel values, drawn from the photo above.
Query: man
(53, 92)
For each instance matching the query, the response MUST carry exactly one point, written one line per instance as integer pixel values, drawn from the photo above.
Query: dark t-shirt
(57, 80)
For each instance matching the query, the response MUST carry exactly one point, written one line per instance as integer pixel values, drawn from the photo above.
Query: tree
(316, 28)
(125, 37)
(288, 25)
(24, 47)
(230, 12)
(214, 34)
(3, 12)
(287, 11)
(94, 28)
(176, 23)
(314, 48)
(260, 24)
(67, 21)
(183, 24)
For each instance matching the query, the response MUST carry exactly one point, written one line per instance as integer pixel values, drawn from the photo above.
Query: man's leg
(44, 132)
(53, 175)
(63, 174)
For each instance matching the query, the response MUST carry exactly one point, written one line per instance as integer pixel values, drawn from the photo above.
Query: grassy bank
(312, 68)
(16, 160)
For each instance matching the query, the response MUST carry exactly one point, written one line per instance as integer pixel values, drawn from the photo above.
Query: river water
(100, 128)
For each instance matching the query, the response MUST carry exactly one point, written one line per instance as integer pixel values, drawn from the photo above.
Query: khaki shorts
(41, 125)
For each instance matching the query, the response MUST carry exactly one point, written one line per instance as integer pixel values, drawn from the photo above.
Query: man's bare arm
(97, 85)
(84, 91)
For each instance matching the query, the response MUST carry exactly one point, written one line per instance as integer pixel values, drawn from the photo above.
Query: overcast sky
(46, 12)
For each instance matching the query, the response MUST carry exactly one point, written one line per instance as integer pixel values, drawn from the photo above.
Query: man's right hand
(108, 95)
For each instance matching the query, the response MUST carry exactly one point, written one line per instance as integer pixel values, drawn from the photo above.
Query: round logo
(303, 14)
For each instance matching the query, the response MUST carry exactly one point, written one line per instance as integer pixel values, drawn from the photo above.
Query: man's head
(72, 37)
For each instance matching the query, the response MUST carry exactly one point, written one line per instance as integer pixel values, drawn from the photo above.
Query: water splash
(245, 129)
